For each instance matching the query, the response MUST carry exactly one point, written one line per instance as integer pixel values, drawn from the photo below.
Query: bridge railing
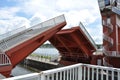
(16, 39)
(88, 35)
(74, 72)
(45, 60)
(10, 33)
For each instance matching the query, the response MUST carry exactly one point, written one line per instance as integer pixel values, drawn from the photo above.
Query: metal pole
(80, 73)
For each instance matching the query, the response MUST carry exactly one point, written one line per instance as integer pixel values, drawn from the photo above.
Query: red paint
(5, 70)
(95, 59)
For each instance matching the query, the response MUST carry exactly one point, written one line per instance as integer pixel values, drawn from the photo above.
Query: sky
(17, 13)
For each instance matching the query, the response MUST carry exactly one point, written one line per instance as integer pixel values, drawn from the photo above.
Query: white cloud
(76, 5)
(14, 23)
(74, 17)
(74, 10)
(9, 20)
(7, 13)
(37, 18)
(96, 33)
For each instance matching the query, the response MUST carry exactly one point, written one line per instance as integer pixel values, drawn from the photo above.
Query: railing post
(80, 72)
(39, 77)
(42, 76)
(118, 72)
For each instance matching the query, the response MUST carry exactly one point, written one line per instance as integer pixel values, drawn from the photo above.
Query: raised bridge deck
(14, 48)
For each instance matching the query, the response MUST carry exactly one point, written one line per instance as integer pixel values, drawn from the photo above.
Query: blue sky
(7, 3)
(17, 13)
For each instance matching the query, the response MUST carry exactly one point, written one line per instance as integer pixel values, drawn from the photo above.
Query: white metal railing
(88, 35)
(92, 72)
(4, 60)
(38, 58)
(44, 59)
(29, 33)
(74, 72)
(10, 33)
(116, 6)
(116, 9)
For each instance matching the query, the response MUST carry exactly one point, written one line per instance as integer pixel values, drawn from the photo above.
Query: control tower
(110, 12)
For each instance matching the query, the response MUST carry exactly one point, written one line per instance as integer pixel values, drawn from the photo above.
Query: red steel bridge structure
(75, 44)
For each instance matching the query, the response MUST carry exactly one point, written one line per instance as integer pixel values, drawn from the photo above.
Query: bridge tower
(110, 12)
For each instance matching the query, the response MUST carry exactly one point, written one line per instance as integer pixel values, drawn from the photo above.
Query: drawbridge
(75, 45)
(19, 44)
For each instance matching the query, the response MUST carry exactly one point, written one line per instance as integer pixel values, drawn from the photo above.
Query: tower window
(107, 2)
(108, 21)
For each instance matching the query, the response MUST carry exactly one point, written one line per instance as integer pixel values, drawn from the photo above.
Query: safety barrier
(40, 59)
(10, 33)
(74, 72)
(88, 35)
